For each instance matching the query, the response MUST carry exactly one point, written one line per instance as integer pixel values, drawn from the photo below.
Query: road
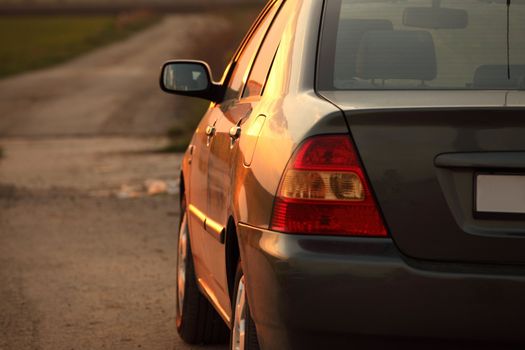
(112, 91)
(87, 257)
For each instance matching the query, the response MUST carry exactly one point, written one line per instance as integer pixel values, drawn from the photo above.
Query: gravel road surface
(87, 257)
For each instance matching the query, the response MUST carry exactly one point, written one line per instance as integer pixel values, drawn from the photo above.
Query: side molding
(212, 227)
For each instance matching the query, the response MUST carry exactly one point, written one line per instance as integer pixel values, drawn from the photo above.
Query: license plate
(500, 194)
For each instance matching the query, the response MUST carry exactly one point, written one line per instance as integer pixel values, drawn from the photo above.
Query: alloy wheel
(239, 322)
(181, 264)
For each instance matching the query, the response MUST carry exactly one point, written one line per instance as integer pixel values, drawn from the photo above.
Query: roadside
(119, 167)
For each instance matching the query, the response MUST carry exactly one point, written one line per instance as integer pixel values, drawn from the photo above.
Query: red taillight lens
(324, 191)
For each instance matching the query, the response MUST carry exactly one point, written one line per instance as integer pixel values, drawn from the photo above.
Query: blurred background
(37, 34)
(89, 165)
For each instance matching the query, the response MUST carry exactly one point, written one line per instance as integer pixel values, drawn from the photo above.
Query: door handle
(235, 132)
(210, 130)
(190, 157)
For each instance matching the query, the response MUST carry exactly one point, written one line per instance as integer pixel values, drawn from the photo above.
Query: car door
(225, 116)
(196, 193)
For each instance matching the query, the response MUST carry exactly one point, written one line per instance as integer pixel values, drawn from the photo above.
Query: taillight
(324, 191)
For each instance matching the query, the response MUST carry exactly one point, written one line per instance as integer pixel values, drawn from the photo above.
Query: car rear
(412, 225)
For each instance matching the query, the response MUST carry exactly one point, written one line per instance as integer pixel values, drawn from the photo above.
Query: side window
(266, 55)
(237, 80)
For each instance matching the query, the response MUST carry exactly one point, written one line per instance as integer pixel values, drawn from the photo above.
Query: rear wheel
(197, 320)
(243, 332)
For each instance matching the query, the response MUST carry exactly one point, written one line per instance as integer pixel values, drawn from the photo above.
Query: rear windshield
(423, 44)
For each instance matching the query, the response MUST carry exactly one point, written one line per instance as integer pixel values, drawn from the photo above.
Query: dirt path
(113, 91)
(83, 263)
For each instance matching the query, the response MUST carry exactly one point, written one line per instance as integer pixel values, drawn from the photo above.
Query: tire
(241, 313)
(197, 321)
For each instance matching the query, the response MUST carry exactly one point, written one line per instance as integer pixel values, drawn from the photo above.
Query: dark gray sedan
(359, 178)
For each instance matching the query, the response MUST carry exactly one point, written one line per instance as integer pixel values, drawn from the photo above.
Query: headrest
(494, 76)
(355, 25)
(397, 54)
(349, 37)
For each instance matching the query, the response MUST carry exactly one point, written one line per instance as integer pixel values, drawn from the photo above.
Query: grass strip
(33, 42)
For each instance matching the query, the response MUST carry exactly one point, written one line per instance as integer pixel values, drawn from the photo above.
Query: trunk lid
(423, 151)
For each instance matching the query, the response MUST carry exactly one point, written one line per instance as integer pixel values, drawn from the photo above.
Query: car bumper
(309, 291)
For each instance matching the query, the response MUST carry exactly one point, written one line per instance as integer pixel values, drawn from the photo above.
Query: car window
(423, 44)
(263, 62)
(242, 65)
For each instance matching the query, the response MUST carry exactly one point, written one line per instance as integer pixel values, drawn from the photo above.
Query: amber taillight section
(324, 191)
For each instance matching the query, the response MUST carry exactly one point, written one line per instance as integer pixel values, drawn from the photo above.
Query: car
(358, 179)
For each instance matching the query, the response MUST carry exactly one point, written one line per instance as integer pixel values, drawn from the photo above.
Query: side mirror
(435, 18)
(188, 78)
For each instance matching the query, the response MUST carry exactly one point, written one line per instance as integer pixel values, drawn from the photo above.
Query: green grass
(32, 42)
